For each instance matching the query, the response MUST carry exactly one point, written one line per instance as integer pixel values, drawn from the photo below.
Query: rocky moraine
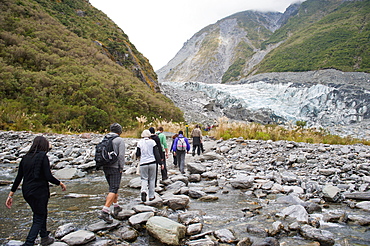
(238, 192)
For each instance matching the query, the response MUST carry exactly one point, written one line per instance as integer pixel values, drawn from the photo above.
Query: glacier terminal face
(331, 105)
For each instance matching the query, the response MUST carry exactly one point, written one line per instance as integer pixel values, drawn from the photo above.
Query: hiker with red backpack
(180, 147)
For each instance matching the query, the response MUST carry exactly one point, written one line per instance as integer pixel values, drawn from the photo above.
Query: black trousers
(40, 214)
(164, 170)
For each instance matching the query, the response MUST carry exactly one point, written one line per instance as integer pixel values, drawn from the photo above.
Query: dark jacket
(34, 169)
(158, 142)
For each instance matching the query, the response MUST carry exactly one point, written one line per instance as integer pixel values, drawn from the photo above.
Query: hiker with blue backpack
(181, 147)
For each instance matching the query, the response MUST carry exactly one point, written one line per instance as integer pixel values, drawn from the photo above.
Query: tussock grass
(227, 129)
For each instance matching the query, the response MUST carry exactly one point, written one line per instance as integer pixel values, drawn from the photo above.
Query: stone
(63, 230)
(127, 234)
(242, 182)
(139, 219)
(194, 229)
(325, 238)
(79, 237)
(177, 202)
(196, 193)
(225, 236)
(102, 225)
(363, 205)
(331, 193)
(297, 212)
(135, 183)
(165, 230)
(190, 217)
(68, 173)
(202, 242)
(196, 168)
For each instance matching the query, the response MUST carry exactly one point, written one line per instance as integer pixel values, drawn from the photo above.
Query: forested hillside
(324, 34)
(64, 65)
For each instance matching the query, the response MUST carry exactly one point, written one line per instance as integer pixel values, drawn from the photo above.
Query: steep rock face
(229, 43)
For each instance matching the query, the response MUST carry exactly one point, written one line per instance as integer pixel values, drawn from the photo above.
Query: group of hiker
(152, 150)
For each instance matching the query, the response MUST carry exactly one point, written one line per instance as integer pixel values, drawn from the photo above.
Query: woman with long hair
(34, 169)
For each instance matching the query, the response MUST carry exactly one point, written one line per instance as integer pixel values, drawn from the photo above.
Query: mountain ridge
(328, 32)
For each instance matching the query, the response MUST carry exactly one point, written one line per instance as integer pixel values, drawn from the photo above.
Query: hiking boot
(47, 240)
(143, 196)
(106, 217)
(116, 210)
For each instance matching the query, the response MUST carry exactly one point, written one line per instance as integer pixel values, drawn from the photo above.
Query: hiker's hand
(174, 153)
(162, 167)
(9, 202)
(63, 186)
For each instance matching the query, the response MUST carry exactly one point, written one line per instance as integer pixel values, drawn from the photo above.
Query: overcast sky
(159, 28)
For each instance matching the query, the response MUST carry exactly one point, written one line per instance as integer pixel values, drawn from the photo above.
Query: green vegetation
(64, 66)
(325, 34)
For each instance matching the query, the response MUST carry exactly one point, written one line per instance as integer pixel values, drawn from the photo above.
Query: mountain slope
(335, 38)
(221, 48)
(66, 66)
(313, 35)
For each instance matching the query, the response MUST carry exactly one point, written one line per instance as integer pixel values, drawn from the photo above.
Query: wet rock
(196, 193)
(297, 212)
(165, 230)
(177, 202)
(63, 230)
(135, 183)
(360, 219)
(225, 236)
(208, 198)
(69, 173)
(127, 233)
(14, 243)
(139, 219)
(332, 193)
(268, 241)
(102, 225)
(144, 208)
(194, 229)
(202, 242)
(194, 178)
(125, 214)
(358, 195)
(325, 238)
(364, 205)
(190, 217)
(79, 237)
(196, 168)
(242, 182)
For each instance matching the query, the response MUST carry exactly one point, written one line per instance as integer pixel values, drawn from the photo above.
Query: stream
(227, 212)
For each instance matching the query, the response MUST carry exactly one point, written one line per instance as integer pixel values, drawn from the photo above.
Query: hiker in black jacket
(34, 169)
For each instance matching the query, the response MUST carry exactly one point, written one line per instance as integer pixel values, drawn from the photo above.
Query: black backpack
(104, 153)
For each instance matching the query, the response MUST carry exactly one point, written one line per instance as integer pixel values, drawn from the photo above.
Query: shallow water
(224, 213)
